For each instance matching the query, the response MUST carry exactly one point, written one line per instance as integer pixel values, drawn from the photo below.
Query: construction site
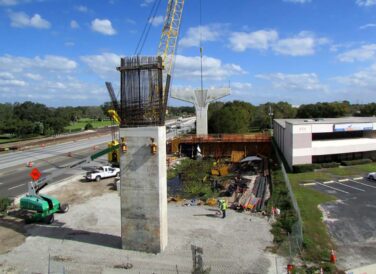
(155, 193)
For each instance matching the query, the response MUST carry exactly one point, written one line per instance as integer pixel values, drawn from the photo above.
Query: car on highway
(371, 176)
(102, 172)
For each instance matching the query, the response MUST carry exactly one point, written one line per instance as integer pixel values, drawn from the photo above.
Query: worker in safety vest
(223, 207)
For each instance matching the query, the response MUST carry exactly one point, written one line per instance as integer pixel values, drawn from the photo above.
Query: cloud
(104, 65)
(294, 82)
(240, 89)
(302, 44)
(81, 8)
(103, 26)
(366, 3)
(360, 81)
(213, 68)
(22, 20)
(241, 41)
(69, 44)
(209, 33)
(146, 3)
(8, 2)
(364, 53)
(74, 24)
(48, 62)
(366, 26)
(156, 21)
(298, 1)
(48, 79)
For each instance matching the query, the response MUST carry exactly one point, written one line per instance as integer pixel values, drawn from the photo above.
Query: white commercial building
(307, 141)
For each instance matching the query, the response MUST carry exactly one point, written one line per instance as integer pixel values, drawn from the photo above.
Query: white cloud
(213, 68)
(103, 26)
(156, 21)
(82, 8)
(366, 3)
(104, 65)
(360, 81)
(49, 62)
(294, 82)
(74, 24)
(146, 3)
(302, 44)
(48, 79)
(69, 44)
(241, 89)
(22, 20)
(366, 26)
(209, 33)
(298, 1)
(8, 2)
(364, 53)
(240, 41)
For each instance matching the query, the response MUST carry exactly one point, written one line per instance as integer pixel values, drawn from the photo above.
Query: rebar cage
(143, 101)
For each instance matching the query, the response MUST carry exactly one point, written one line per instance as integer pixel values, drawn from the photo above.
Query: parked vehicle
(102, 172)
(371, 176)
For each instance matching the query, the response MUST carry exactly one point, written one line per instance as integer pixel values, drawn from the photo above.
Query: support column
(144, 190)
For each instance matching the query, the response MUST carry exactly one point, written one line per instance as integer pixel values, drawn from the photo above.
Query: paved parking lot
(351, 219)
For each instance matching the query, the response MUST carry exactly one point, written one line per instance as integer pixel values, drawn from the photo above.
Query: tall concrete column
(144, 190)
(201, 100)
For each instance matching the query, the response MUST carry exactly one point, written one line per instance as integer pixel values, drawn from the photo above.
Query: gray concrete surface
(351, 220)
(144, 190)
(87, 240)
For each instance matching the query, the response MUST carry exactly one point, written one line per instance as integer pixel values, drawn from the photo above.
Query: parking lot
(351, 219)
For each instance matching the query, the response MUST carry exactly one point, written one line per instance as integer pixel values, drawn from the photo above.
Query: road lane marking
(337, 189)
(351, 187)
(328, 182)
(358, 178)
(363, 184)
(343, 180)
(16, 186)
(309, 184)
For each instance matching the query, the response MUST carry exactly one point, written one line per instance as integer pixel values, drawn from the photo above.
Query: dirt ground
(87, 239)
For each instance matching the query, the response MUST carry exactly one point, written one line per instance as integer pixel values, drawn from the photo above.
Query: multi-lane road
(13, 165)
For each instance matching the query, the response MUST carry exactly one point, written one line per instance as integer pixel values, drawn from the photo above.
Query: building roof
(311, 121)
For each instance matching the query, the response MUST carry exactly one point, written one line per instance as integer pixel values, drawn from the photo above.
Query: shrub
(329, 165)
(306, 168)
(356, 162)
(88, 126)
(4, 204)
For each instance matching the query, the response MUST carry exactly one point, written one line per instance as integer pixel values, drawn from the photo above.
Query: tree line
(243, 117)
(33, 119)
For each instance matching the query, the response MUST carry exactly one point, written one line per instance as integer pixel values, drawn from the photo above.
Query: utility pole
(271, 119)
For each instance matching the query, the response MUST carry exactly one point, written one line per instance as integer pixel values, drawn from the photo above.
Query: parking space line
(343, 180)
(358, 178)
(337, 189)
(353, 187)
(16, 186)
(328, 182)
(363, 184)
(309, 184)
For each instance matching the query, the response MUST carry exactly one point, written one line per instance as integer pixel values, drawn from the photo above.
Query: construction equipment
(40, 207)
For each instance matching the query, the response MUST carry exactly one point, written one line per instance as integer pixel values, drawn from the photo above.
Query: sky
(60, 52)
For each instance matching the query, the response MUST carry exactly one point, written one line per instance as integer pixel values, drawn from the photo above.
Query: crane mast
(170, 33)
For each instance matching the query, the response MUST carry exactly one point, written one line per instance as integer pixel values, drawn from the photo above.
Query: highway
(14, 173)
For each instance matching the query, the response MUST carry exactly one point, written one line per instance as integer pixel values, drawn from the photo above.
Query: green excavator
(38, 207)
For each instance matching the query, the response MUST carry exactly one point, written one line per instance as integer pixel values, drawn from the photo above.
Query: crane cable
(200, 30)
(147, 26)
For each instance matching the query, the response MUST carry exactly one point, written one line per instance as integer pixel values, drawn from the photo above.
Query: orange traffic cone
(333, 257)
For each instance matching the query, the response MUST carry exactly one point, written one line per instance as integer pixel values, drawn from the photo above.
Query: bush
(306, 168)
(329, 165)
(88, 126)
(4, 204)
(356, 162)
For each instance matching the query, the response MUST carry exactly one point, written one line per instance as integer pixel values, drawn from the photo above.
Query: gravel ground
(87, 240)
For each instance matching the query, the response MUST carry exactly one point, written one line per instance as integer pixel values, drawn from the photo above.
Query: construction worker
(223, 207)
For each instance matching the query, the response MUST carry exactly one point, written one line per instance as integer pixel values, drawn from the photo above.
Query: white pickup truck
(102, 172)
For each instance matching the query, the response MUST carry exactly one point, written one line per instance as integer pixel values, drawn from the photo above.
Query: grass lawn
(81, 124)
(8, 140)
(317, 242)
